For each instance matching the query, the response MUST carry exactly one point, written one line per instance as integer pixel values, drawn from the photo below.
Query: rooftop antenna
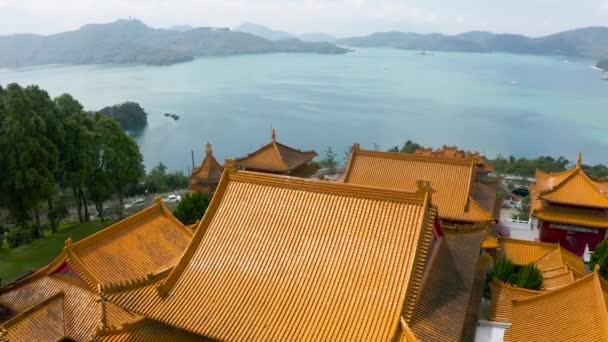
(192, 159)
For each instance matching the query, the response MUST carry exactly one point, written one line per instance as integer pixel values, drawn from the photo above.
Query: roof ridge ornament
(579, 161)
(158, 200)
(103, 319)
(208, 149)
(68, 243)
(273, 135)
(424, 188)
(230, 165)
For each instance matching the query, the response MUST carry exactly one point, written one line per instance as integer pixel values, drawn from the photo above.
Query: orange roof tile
(447, 292)
(206, 176)
(275, 157)
(572, 187)
(278, 258)
(574, 216)
(452, 178)
(133, 248)
(81, 313)
(41, 322)
(576, 312)
(145, 330)
(501, 307)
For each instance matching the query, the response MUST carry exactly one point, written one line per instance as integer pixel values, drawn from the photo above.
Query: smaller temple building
(570, 208)
(206, 177)
(277, 158)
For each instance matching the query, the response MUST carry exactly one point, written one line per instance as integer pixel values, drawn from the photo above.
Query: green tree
(158, 180)
(329, 160)
(523, 212)
(129, 115)
(192, 208)
(29, 155)
(529, 277)
(600, 258)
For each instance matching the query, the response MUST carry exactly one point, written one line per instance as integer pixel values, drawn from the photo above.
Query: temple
(206, 177)
(462, 197)
(274, 258)
(66, 299)
(277, 158)
(570, 208)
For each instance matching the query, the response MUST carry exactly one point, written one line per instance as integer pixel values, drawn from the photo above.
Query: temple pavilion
(570, 208)
(206, 177)
(274, 258)
(277, 158)
(462, 196)
(571, 306)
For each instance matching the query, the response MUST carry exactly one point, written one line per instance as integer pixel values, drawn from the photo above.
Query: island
(603, 64)
(133, 42)
(129, 115)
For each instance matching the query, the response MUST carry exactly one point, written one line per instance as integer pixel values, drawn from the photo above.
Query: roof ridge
(421, 158)
(275, 147)
(131, 284)
(528, 242)
(513, 288)
(41, 272)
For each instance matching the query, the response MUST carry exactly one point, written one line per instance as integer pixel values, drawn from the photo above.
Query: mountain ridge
(133, 42)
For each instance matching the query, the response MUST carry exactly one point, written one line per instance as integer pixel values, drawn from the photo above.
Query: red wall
(572, 240)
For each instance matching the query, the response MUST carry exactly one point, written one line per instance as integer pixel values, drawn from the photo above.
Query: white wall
(488, 331)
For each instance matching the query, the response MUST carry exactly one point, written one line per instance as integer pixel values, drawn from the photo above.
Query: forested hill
(589, 42)
(131, 41)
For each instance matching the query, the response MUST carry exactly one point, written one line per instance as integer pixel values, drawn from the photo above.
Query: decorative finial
(274, 135)
(579, 162)
(424, 187)
(208, 149)
(68, 242)
(103, 322)
(158, 200)
(356, 147)
(596, 268)
(230, 164)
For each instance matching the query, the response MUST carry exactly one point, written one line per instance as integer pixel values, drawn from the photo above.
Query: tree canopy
(192, 208)
(600, 258)
(129, 115)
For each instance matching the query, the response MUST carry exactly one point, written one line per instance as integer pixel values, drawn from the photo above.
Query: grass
(15, 262)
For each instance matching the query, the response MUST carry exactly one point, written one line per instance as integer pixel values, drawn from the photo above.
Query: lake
(492, 103)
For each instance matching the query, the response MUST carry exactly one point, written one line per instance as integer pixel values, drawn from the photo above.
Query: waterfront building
(570, 208)
(206, 177)
(277, 158)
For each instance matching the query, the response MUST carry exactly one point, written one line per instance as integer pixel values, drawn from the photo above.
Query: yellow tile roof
(576, 312)
(572, 187)
(80, 305)
(574, 216)
(523, 252)
(208, 174)
(278, 258)
(447, 295)
(501, 307)
(41, 322)
(145, 330)
(140, 245)
(452, 178)
(490, 242)
(275, 157)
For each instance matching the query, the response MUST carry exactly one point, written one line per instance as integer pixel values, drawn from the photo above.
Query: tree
(329, 160)
(158, 180)
(129, 115)
(192, 208)
(600, 258)
(529, 277)
(119, 165)
(29, 155)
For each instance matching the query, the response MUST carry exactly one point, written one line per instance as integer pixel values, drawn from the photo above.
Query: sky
(338, 17)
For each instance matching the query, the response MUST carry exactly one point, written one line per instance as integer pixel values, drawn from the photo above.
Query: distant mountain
(317, 37)
(264, 32)
(589, 42)
(181, 28)
(131, 41)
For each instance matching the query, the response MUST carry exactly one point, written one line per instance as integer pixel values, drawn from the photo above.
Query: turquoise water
(512, 104)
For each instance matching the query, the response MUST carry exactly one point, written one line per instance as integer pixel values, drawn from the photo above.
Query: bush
(526, 277)
(192, 208)
(529, 277)
(503, 270)
(16, 237)
(600, 258)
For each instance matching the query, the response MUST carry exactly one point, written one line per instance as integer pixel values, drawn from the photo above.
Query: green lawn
(18, 261)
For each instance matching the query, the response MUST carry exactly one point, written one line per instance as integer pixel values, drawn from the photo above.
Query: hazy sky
(338, 17)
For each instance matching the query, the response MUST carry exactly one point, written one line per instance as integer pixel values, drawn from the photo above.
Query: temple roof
(558, 265)
(278, 258)
(576, 312)
(452, 178)
(572, 187)
(144, 329)
(456, 153)
(450, 296)
(41, 322)
(209, 171)
(275, 157)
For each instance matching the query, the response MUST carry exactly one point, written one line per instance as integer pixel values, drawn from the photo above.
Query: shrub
(600, 258)
(529, 277)
(192, 208)
(16, 237)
